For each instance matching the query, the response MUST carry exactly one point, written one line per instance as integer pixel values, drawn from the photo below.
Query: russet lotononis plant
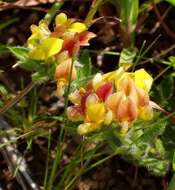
(59, 45)
(118, 96)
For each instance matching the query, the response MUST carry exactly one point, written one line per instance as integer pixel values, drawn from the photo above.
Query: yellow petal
(91, 99)
(75, 97)
(39, 33)
(114, 75)
(60, 88)
(84, 128)
(146, 113)
(37, 54)
(51, 46)
(108, 118)
(61, 19)
(48, 48)
(97, 80)
(95, 112)
(77, 27)
(143, 79)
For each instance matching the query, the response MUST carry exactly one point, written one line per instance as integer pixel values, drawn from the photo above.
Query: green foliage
(19, 52)
(172, 183)
(149, 144)
(170, 62)
(126, 58)
(172, 2)
(173, 163)
(42, 71)
(128, 14)
(142, 145)
(85, 70)
(163, 92)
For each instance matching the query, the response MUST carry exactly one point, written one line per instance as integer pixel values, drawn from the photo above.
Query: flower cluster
(60, 45)
(118, 96)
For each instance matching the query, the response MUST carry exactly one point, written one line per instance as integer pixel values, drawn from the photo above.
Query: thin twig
(14, 101)
(166, 28)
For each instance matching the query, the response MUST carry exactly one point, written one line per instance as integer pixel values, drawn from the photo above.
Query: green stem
(172, 183)
(52, 12)
(47, 161)
(83, 170)
(61, 137)
(94, 7)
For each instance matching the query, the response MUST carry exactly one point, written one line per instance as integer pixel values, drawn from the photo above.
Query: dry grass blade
(24, 3)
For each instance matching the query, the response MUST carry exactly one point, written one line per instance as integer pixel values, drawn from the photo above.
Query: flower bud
(74, 113)
(63, 71)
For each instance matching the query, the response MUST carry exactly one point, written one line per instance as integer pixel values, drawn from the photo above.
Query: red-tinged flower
(73, 43)
(84, 37)
(74, 113)
(127, 111)
(129, 103)
(114, 100)
(63, 71)
(104, 90)
(143, 97)
(62, 75)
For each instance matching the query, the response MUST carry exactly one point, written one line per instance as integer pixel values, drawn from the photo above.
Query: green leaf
(44, 73)
(20, 52)
(126, 58)
(39, 77)
(172, 2)
(84, 69)
(173, 163)
(167, 87)
(158, 167)
(170, 62)
(30, 65)
(129, 13)
(85, 60)
(163, 92)
(153, 130)
(172, 183)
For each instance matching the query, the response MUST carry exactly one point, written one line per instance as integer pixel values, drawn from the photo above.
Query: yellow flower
(95, 113)
(61, 20)
(143, 80)
(131, 101)
(39, 33)
(62, 75)
(146, 113)
(48, 48)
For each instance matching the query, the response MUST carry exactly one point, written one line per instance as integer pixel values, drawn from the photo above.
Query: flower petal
(52, 46)
(95, 112)
(77, 27)
(143, 79)
(61, 19)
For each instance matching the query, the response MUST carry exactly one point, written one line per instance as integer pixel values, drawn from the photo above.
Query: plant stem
(61, 136)
(10, 104)
(52, 12)
(94, 7)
